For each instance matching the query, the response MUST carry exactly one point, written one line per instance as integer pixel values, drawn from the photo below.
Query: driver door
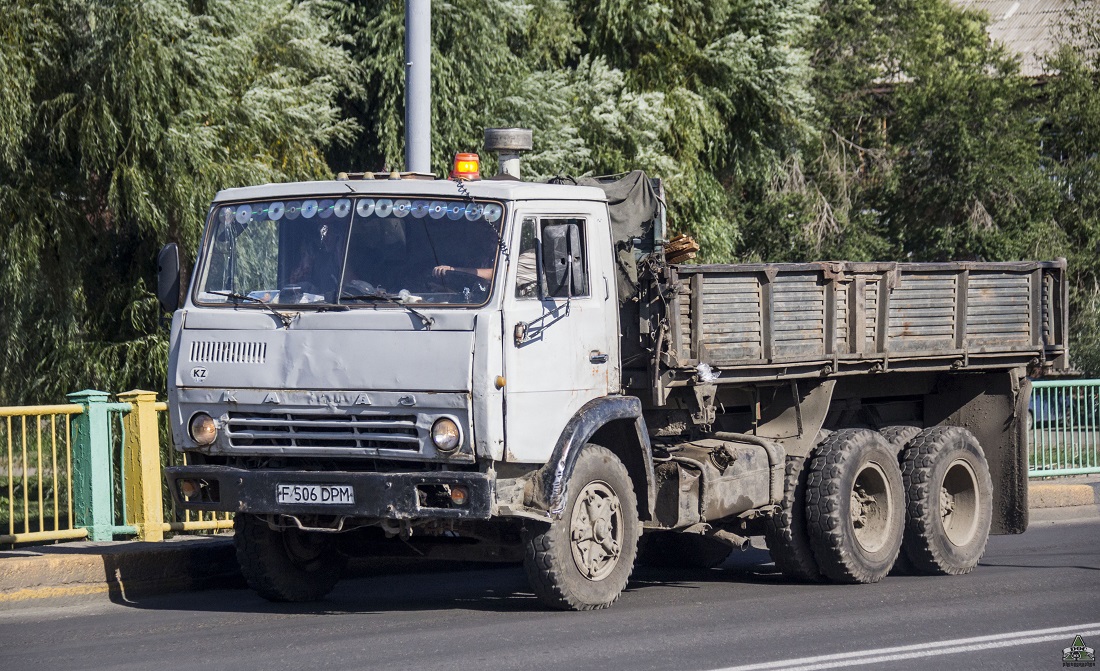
(561, 337)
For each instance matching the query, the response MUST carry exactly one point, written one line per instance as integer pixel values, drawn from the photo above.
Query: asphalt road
(1018, 610)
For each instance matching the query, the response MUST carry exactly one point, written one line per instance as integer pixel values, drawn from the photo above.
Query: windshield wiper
(380, 296)
(284, 318)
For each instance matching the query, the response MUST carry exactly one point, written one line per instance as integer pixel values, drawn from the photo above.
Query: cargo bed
(756, 321)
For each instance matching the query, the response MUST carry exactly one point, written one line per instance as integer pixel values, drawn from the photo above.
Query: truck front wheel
(855, 506)
(286, 565)
(949, 501)
(584, 559)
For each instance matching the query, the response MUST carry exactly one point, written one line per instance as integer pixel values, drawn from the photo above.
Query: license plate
(334, 494)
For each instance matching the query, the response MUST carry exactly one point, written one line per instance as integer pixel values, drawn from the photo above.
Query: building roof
(1028, 28)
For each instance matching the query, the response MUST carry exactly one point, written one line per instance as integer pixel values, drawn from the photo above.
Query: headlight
(445, 435)
(203, 428)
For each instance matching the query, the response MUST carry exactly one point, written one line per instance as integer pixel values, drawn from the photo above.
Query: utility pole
(418, 86)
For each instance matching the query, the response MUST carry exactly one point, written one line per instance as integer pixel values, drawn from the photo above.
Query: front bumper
(377, 495)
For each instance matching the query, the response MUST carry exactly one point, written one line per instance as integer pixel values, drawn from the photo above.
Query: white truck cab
(423, 325)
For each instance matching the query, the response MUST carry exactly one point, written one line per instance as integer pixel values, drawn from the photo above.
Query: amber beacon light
(467, 166)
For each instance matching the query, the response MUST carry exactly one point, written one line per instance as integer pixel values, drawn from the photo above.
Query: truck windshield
(351, 251)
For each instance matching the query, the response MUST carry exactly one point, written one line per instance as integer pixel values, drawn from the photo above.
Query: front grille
(383, 432)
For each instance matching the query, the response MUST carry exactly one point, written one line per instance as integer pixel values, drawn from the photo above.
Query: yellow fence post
(142, 463)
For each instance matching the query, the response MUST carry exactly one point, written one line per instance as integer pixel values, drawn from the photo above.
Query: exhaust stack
(508, 144)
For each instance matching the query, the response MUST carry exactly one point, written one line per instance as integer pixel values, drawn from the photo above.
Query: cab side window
(527, 273)
(564, 261)
(552, 259)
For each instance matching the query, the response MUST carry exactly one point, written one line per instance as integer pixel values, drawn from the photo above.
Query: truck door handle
(596, 356)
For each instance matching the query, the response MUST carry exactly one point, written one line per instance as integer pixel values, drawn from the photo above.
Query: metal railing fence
(90, 469)
(36, 494)
(1064, 423)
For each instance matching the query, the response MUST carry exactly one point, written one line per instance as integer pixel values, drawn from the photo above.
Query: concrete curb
(1083, 491)
(131, 569)
(117, 569)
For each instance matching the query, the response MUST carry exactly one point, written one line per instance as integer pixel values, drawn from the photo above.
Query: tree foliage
(130, 115)
(784, 129)
(1071, 157)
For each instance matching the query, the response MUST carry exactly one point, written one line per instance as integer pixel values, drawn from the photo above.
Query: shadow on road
(436, 586)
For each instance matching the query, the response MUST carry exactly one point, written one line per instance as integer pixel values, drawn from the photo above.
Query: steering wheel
(477, 285)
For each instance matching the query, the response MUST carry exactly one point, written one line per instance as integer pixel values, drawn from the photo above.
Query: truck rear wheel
(288, 565)
(949, 501)
(584, 559)
(855, 508)
(900, 435)
(785, 532)
(673, 549)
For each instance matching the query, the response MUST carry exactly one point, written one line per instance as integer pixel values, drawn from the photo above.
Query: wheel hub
(596, 531)
(948, 500)
(869, 508)
(864, 507)
(959, 502)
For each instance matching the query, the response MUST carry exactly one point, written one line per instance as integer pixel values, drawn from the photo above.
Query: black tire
(583, 560)
(949, 501)
(785, 532)
(855, 506)
(288, 565)
(672, 549)
(900, 435)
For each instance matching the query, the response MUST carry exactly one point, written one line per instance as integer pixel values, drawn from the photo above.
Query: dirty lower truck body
(507, 370)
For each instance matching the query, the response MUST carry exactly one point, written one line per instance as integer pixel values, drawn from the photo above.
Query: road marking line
(930, 649)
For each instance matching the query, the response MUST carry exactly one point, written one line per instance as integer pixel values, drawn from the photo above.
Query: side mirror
(168, 277)
(562, 265)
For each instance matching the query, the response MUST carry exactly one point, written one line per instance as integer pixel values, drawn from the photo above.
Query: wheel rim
(959, 503)
(871, 504)
(596, 530)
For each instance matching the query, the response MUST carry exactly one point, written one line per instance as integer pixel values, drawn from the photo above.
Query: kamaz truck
(495, 369)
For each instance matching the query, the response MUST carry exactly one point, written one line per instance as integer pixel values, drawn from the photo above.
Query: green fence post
(93, 501)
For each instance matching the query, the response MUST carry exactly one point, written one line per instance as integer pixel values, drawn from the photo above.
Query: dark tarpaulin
(634, 204)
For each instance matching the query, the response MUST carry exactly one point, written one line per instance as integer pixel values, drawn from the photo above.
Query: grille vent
(290, 430)
(209, 351)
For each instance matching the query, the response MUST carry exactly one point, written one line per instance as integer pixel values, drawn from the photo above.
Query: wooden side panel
(922, 313)
(755, 314)
(798, 315)
(999, 313)
(731, 322)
